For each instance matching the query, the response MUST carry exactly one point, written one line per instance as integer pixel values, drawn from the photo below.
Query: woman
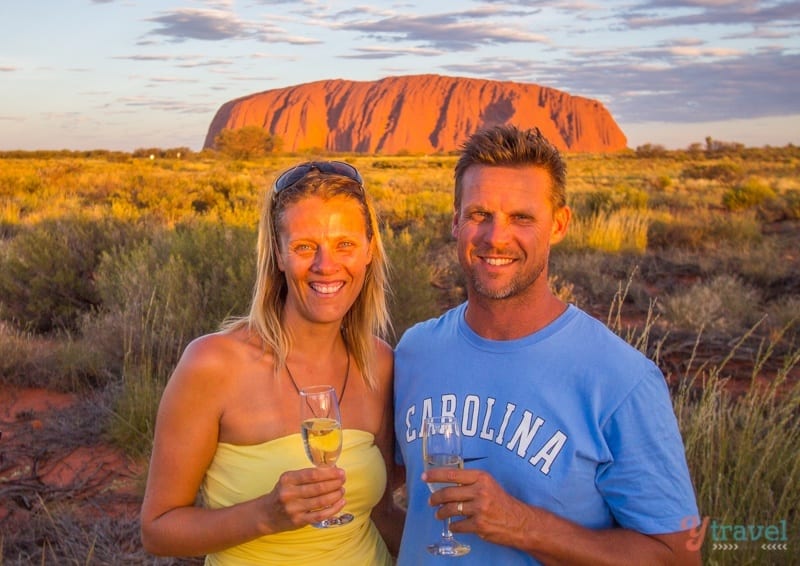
(229, 421)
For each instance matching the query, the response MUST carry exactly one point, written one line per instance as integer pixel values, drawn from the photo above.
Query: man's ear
(454, 228)
(561, 218)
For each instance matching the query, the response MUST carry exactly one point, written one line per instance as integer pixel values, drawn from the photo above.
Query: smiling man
(572, 450)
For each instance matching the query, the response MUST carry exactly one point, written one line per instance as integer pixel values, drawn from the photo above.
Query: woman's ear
(276, 249)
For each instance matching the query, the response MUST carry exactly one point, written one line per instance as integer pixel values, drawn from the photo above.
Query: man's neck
(512, 318)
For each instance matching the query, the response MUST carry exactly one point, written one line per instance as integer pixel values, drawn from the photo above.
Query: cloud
(379, 52)
(191, 23)
(648, 88)
(465, 30)
(713, 12)
(219, 25)
(165, 104)
(171, 80)
(180, 61)
(7, 69)
(699, 51)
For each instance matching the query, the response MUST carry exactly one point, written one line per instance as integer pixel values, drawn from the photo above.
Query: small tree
(246, 142)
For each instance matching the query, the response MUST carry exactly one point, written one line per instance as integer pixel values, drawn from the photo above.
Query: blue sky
(125, 74)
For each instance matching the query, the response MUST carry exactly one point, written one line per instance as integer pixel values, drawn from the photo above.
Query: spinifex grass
(741, 449)
(742, 452)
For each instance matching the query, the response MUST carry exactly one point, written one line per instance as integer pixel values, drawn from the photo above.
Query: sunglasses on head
(296, 173)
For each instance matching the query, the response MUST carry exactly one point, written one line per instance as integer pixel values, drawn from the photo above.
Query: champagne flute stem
(446, 534)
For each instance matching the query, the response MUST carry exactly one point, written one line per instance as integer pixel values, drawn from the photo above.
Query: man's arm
(489, 512)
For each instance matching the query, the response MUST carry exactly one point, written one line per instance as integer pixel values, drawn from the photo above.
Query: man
(571, 448)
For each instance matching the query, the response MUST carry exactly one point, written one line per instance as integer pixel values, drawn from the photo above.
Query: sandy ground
(50, 458)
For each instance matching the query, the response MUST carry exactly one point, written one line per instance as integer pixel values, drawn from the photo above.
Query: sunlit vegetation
(111, 262)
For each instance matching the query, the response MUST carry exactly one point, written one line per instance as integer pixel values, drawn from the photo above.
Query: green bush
(608, 200)
(158, 296)
(413, 296)
(724, 172)
(247, 142)
(184, 281)
(48, 271)
(749, 194)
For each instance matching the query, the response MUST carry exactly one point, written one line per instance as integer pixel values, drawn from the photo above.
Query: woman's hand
(302, 497)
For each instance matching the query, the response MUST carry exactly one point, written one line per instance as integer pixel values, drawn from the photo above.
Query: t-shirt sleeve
(647, 483)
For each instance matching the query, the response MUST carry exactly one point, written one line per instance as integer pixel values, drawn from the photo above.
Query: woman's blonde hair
(369, 315)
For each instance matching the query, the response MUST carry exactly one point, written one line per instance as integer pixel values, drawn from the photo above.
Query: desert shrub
(722, 305)
(762, 264)
(59, 362)
(184, 282)
(227, 195)
(662, 182)
(387, 164)
(19, 354)
(650, 150)
(593, 277)
(413, 296)
(607, 200)
(151, 352)
(682, 232)
(774, 207)
(156, 297)
(792, 200)
(784, 313)
(247, 142)
(723, 172)
(752, 192)
(703, 230)
(47, 272)
(733, 229)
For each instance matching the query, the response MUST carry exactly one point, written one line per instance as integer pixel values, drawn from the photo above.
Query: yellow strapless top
(241, 473)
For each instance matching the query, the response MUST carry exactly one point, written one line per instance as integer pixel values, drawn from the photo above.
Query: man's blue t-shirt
(571, 419)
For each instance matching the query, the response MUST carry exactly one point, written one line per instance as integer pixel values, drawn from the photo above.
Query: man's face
(505, 228)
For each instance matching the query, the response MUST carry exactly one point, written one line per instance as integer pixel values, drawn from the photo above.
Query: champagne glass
(321, 430)
(441, 448)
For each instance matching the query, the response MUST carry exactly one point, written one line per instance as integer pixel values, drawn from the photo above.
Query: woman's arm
(186, 436)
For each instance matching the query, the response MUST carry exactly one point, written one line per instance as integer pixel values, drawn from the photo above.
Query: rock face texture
(417, 114)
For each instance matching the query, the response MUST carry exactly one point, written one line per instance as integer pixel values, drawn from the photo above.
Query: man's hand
(480, 506)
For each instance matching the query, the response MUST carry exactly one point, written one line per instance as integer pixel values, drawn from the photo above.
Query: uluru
(416, 114)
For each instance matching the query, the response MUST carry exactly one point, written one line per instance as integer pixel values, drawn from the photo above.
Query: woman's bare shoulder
(222, 346)
(213, 356)
(384, 358)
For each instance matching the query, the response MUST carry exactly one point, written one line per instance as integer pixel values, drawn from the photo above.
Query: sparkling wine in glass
(321, 429)
(441, 448)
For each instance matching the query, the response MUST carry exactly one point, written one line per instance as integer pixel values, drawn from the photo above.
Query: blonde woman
(228, 423)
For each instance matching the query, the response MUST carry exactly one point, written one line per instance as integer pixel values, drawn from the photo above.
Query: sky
(130, 74)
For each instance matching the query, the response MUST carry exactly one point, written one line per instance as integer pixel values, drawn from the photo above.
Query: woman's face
(324, 253)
